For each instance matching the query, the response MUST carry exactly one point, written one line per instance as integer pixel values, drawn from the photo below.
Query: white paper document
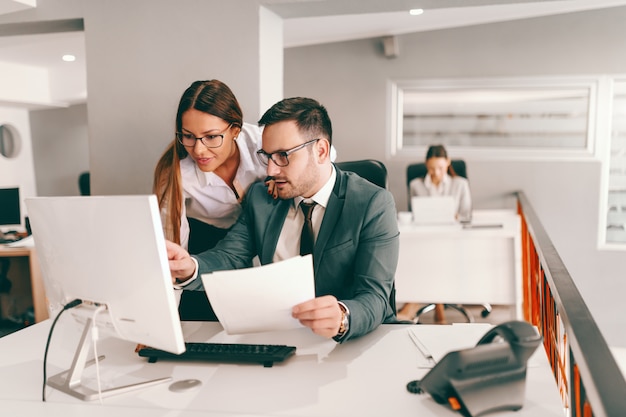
(260, 299)
(434, 341)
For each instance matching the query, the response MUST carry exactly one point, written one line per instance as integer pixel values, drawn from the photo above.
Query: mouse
(185, 385)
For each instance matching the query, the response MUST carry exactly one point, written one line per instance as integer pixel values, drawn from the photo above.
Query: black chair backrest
(372, 170)
(84, 183)
(375, 172)
(419, 170)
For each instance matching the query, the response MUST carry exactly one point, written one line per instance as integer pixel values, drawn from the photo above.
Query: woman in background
(203, 175)
(440, 180)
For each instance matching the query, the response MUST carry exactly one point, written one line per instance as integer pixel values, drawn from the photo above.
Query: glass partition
(503, 115)
(616, 195)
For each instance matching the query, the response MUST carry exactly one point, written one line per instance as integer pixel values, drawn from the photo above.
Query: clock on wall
(10, 143)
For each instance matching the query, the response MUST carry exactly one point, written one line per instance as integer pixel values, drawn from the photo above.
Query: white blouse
(208, 198)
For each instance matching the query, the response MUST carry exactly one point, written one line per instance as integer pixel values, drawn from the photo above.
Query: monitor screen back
(109, 250)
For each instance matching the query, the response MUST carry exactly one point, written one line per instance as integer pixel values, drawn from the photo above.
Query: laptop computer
(434, 210)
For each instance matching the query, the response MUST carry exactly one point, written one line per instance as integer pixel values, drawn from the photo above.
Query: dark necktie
(307, 238)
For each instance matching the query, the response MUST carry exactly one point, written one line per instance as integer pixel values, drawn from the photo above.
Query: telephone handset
(520, 335)
(488, 377)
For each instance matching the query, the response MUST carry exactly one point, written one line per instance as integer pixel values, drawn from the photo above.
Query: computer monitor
(10, 214)
(109, 252)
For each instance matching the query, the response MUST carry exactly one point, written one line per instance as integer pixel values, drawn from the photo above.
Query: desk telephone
(488, 377)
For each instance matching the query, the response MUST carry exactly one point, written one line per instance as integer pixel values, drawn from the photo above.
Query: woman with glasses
(203, 175)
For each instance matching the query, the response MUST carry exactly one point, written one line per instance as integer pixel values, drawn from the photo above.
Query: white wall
(139, 64)
(350, 78)
(60, 149)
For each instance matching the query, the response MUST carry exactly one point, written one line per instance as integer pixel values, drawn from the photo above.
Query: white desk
(363, 377)
(452, 264)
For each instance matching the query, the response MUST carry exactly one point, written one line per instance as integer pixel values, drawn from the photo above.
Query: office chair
(84, 183)
(372, 170)
(418, 170)
(375, 172)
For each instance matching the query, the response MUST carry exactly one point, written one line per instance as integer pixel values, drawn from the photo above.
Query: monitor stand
(70, 383)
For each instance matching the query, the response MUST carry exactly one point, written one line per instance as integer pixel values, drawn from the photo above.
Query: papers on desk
(260, 299)
(434, 341)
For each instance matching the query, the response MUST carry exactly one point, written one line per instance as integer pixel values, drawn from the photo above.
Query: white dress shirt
(288, 244)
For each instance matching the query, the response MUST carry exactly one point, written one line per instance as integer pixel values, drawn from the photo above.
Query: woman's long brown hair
(212, 97)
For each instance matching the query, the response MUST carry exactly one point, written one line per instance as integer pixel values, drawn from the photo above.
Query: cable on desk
(414, 387)
(67, 306)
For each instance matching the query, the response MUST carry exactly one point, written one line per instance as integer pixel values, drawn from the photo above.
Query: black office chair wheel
(429, 307)
(486, 310)
(465, 312)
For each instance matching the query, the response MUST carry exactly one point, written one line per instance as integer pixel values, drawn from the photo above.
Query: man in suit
(355, 231)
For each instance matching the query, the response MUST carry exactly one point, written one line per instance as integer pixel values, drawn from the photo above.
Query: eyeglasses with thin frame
(281, 158)
(210, 141)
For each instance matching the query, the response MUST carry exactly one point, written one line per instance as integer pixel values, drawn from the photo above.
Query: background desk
(362, 377)
(455, 265)
(26, 265)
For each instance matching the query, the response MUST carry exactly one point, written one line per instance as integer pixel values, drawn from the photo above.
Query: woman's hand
(271, 187)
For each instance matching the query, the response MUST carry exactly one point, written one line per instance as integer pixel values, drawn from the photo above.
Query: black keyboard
(225, 352)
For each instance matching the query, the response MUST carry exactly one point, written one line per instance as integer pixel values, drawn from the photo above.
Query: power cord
(414, 387)
(69, 305)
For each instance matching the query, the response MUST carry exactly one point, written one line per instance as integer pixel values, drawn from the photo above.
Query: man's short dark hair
(310, 116)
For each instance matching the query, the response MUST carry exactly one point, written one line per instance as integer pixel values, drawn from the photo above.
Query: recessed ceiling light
(69, 58)
(416, 12)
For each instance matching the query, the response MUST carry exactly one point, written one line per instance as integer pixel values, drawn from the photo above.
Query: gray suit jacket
(355, 254)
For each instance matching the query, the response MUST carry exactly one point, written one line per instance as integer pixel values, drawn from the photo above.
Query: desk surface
(365, 377)
(8, 251)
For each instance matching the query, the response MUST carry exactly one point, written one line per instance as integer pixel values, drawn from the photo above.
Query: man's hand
(182, 267)
(321, 314)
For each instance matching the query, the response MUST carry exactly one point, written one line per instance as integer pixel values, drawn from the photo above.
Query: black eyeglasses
(280, 158)
(210, 141)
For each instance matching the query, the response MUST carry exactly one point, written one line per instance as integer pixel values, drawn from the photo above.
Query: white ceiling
(306, 22)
